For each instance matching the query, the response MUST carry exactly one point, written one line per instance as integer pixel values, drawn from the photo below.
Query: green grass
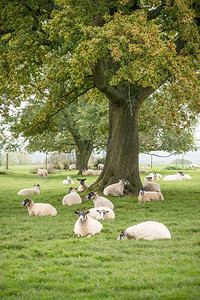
(41, 258)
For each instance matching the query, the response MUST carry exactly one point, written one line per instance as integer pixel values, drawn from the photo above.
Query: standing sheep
(149, 196)
(100, 166)
(42, 172)
(31, 191)
(99, 201)
(149, 230)
(101, 213)
(116, 189)
(86, 225)
(83, 186)
(68, 180)
(39, 209)
(72, 167)
(72, 198)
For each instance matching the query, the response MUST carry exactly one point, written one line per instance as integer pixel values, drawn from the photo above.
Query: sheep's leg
(89, 235)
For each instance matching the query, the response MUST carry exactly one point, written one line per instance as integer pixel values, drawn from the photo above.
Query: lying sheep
(116, 189)
(149, 196)
(31, 191)
(155, 176)
(175, 177)
(83, 186)
(39, 209)
(101, 213)
(72, 198)
(86, 225)
(42, 172)
(91, 172)
(72, 167)
(151, 186)
(68, 180)
(149, 230)
(99, 201)
(184, 176)
(100, 166)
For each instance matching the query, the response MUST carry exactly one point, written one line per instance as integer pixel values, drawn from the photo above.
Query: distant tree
(17, 158)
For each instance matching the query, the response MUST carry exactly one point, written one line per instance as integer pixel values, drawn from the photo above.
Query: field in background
(42, 259)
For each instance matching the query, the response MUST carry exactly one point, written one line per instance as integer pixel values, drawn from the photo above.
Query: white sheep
(42, 172)
(174, 177)
(149, 196)
(68, 180)
(83, 186)
(91, 172)
(100, 166)
(194, 166)
(31, 191)
(101, 213)
(99, 200)
(155, 176)
(149, 230)
(116, 189)
(151, 186)
(86, 225)
(72, 198)
(39, 209)
(184, 176)
(72, 167)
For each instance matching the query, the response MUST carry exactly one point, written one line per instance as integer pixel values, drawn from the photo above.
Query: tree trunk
(122, 158)
(83, 155)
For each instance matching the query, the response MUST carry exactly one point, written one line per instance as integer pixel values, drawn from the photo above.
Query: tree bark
(83, 155)
(122, 157)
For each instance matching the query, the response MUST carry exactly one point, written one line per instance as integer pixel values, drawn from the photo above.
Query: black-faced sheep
(86, 225)
(175, 177)
(149, 230)
(116, 189)
(72, 198)
(83, 186)
(39, 209)
(31, 191)
(99, 200)
(101, 213)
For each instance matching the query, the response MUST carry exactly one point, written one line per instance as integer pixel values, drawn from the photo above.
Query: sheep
(31, 191)
(116, 189)
(145, 167)
(86, 225)
(72, 198)
(143, 171)
(91, 172)
(151, 186)
(39, 209)
(194, 166)
(42, 172)
(101, 213)
(72, 167)
(149, 230)
(83, 186)
(155, 176)
(175, 177)
(149, 196)
(100, 166)
(68, 180)
(99, 201)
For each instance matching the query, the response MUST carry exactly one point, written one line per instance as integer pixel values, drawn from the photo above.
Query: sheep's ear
(107, 211)
(87, 212)
(78, 179)
(98, 210)
(76, 212)
(84, 179)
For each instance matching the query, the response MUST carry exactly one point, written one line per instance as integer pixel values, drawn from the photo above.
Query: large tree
(125, 49)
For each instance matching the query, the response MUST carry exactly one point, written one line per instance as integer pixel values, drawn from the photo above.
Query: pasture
(41, 258)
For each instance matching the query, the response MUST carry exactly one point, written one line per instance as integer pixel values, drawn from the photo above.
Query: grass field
(41, 258)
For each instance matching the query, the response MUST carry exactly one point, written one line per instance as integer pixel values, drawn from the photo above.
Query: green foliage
(99, 161)
(17, 158)
(42, 259)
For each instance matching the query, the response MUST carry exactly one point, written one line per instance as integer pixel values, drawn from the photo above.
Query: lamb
(149, 230)
(175, 177)
(42, 172)
(86, 225)
(99, 201)
(83, 186)
(91, 172)
(68, 180)
(155, 176)
(100, 166)
(31, 191)
(72, 198)
(72, 167)
(101, 213)
(151, 186)
(39, 209)
(116, 189)
(149, 196)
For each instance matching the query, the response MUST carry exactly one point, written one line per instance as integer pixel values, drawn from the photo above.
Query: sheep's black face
(89, 196)
(102, 214)
(82, 215)
(26, 202)
(141, 191)
(121, 236)
(82, 181)
(181, 173)
(37, 185)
